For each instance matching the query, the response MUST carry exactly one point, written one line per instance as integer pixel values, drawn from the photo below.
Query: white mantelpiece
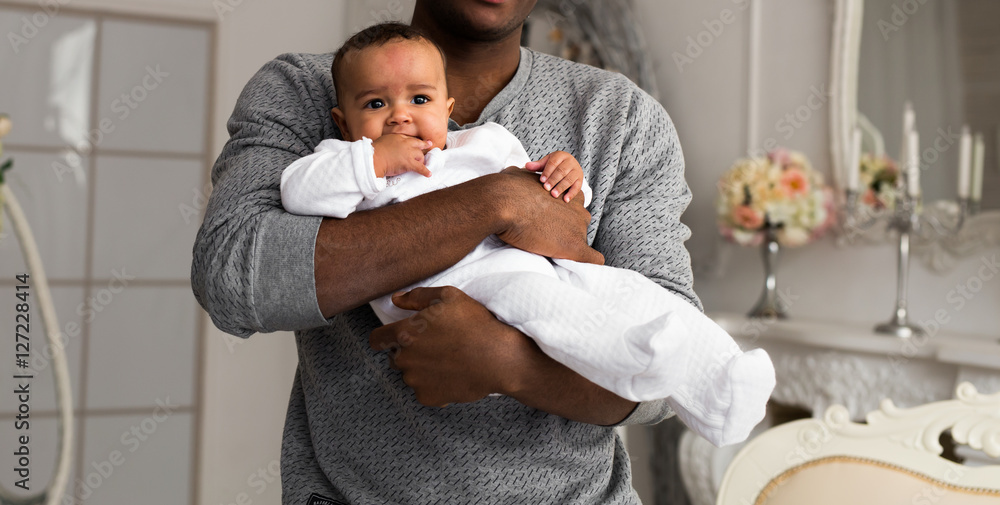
(822, 363)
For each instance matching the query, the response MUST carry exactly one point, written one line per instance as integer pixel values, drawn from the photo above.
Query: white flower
(818, 215)
(5, 125)
(815, 211)
(793, 236)
(779, 211)
(744, 238)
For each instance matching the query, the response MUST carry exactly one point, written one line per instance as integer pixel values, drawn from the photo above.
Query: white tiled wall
(111, 214)
(53, 193)
(67, 301)
(142, 348)
(154, 90)
(139, 222)
(148, 454)
(47, 78)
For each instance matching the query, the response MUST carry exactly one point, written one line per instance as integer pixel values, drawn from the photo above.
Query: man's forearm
(375, 252)
(550, 386)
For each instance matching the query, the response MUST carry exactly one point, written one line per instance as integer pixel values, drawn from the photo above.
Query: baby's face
(399, 87)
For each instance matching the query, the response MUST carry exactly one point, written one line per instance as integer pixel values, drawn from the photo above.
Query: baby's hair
(376, 35)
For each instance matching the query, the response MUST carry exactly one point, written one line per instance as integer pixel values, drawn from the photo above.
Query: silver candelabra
(906, 218)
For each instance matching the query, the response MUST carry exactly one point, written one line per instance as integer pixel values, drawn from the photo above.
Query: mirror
(942, 56)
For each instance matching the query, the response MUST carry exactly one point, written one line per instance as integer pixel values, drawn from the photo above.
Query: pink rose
(779, 156)
(746, 217)
(794, 183)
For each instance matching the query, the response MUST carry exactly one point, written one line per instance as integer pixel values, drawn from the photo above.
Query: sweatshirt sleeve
(252, 265)
(641, 228)
(332, 181)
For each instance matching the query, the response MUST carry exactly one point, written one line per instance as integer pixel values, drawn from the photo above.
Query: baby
(613, 326)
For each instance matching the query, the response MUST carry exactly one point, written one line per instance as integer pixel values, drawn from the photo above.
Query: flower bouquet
(779, 194)
(775, 201)
(879, 179)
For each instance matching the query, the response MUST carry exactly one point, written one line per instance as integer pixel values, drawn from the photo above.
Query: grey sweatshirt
(354, 432)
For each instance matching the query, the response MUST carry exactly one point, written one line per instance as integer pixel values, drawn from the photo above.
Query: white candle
(909, 124)
(913, 164)
(964, 162)
(978, 153)
(904, 152)
(854, 169)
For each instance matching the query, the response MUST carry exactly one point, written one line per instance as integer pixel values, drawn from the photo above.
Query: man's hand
(397, 154)
(535, 222)
(453, 350)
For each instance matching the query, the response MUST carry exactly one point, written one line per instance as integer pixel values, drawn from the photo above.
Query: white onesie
(613, 326)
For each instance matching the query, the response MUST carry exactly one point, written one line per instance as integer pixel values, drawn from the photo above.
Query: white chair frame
(905, 439)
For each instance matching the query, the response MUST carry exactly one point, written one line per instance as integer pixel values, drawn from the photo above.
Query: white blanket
(613, 326)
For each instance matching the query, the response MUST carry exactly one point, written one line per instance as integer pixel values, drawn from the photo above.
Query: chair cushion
(825, 482)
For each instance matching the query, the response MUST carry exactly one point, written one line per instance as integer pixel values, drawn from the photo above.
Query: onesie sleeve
(252, 267)
(332, 181)
(517, 156)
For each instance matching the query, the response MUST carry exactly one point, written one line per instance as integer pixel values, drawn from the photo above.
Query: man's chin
(482, 22)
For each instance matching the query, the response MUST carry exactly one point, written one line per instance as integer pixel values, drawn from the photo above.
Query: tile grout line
(123, 153)
(142, 283)
(105, 412)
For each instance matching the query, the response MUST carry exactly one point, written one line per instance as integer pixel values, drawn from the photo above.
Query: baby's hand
(397, 154)
(561, 174)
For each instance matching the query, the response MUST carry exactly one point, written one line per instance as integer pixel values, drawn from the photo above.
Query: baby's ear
(451, 105)
(338, 118)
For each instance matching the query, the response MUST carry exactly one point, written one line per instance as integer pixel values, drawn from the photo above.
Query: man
(366, 427)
